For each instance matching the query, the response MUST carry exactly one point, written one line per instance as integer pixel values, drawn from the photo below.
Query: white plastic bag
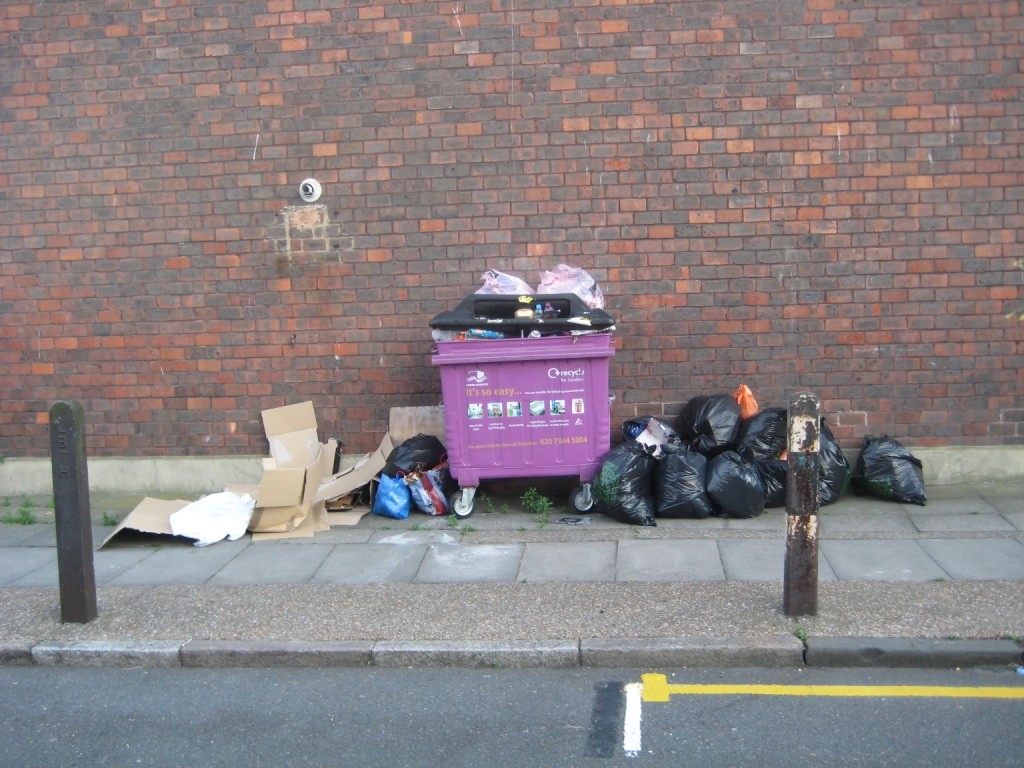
(566, 279)
(214, 517)
(499, 283)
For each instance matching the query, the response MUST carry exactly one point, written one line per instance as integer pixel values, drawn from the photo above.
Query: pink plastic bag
(566, 279)
(500, 283)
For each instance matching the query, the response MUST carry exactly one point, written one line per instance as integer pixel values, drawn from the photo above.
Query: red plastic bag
(427, 490)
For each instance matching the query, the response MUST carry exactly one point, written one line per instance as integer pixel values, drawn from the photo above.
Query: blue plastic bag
(393, 498)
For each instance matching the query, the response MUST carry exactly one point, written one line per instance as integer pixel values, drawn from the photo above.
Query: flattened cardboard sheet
(151, 516)
(404, 423)
(348, 517)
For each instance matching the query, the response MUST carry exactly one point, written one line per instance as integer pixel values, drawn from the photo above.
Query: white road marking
(631, 723)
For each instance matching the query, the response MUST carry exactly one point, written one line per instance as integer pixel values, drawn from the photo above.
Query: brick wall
(821, 195)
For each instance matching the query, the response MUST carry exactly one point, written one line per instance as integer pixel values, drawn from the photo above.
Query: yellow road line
(657, 688)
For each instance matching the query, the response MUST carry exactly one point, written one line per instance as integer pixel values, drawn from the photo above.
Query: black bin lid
(498, 312)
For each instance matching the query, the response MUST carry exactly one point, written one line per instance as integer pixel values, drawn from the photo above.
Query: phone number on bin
(561, 440)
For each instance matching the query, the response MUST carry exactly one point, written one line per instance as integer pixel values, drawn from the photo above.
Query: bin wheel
(461, 502)
(581, 499)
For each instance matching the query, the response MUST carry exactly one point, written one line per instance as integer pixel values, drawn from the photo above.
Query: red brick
(846, 216)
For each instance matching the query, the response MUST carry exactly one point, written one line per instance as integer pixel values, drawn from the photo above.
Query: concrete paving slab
(41, 536)
(568, 561)
(450, 563)
(771, 520)
(969, 506)
(482, 522)
(46, 575)
(15, 535)
(370, 564)
(1016, 519)
(342, 534)
(753, 559)
(880, 560)
(895, 521)
(178, 563)
(930, 522)
(761, 560)
(1008, 505)
(981, 559)
(680, 526)
(108, 564)
(415, 538)
(669, 560)
(273, 562)
(18, 562)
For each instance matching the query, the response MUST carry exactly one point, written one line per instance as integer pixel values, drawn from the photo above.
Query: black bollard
(800, 583)
(75, 569)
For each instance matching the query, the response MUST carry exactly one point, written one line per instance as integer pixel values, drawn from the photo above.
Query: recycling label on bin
(526, 404)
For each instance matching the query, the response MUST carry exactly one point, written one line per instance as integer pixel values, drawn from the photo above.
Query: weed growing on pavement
(536, 502)
(801, 635)
(453, 523)
(23, 516)
(109, 520)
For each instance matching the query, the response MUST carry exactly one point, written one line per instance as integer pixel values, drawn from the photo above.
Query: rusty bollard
(800, 583)
(75, 569)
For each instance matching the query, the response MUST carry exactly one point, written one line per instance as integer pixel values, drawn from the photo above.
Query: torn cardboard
(355, 477)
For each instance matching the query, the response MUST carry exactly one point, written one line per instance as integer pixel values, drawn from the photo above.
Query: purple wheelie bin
(525, 407)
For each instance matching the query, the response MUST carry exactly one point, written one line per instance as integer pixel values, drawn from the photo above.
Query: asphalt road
(459, 717)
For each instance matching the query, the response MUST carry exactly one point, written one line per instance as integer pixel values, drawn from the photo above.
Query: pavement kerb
(910, 652)
(777, 651)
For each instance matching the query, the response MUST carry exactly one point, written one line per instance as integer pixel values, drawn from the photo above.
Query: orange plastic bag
(748, 405)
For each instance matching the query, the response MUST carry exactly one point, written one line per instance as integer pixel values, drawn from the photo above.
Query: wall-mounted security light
(310, 190)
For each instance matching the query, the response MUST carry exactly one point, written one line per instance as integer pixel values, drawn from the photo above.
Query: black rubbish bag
(679, 484)
(833, 468)
(734, 486)
(886, 469)
(623, 487)
(415, 455)
(763, 435)
(709, 423)
(774, 474)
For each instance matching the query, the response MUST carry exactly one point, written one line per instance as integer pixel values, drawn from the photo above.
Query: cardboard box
(292, 473)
